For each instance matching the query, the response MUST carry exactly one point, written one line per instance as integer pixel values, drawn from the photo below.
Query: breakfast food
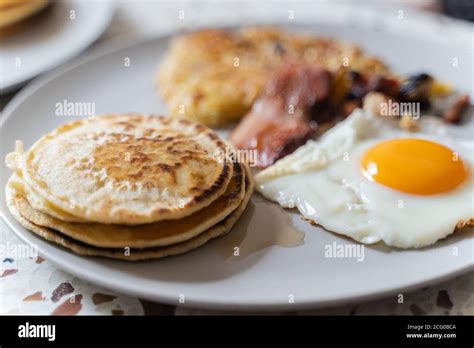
(14, 11)
(300, 101)
(157, 186)
(219, 82)
(287, 87)
(370, 181)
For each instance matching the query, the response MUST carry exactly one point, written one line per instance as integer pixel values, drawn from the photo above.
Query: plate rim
(124, 42)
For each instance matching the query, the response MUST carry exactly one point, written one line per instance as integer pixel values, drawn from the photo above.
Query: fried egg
(370, 181)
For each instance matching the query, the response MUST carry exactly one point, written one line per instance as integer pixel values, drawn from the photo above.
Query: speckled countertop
(36, 286)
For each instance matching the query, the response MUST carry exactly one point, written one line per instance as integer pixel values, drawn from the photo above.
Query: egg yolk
(415, 166)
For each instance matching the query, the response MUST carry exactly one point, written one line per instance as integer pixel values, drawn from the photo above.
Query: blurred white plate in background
(58, 34)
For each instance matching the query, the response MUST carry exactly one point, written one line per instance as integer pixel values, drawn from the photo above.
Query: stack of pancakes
(128, 187)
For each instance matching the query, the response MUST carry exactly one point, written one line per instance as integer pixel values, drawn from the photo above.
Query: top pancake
(126, 169)
(227, 70)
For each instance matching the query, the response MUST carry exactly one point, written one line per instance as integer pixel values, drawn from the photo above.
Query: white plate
(61, 32)
(267, 279)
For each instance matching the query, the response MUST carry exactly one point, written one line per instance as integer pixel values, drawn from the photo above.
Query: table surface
(36, 286)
